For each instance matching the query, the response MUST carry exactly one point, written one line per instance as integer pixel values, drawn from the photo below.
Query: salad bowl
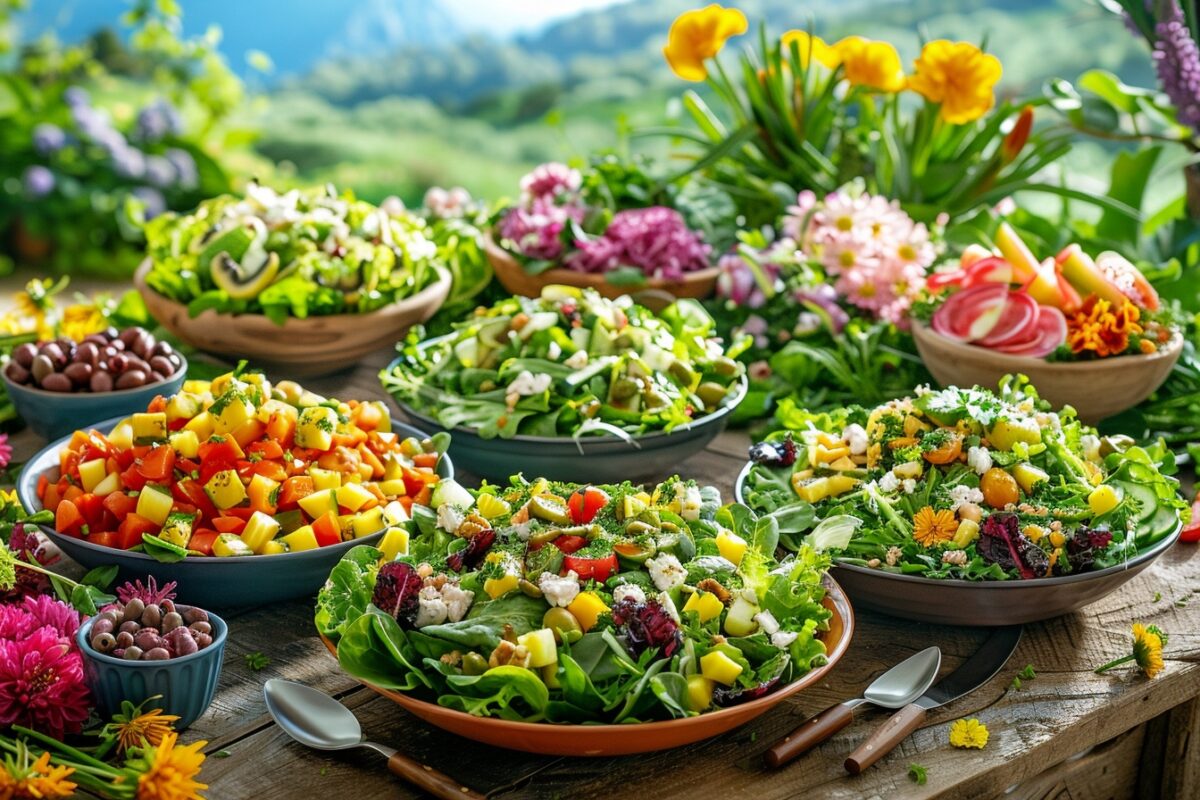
(1095, 389)
(223, 582)
(630, 738)
(513, 277)
(302, 347)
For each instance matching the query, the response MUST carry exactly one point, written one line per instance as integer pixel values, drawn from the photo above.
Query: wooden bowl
(301, 347)
(1095, 389)
(654, 293)
(555, 739)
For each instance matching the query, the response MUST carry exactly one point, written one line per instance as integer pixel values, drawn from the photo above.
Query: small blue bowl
(52, 415)
(186, 684)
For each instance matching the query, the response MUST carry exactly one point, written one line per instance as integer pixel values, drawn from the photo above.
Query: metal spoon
(315, 719)
(895, 688)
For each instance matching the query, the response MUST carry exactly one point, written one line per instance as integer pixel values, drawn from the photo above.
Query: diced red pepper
(132, 527)
(192, 492)
(293, 490)
(596, 569)
(569, 544)
(585, 503)
(133, 479)
(104, 538)
(92, 508)
(202, 541)
(229, 524)
(326, 529)
(1191, 533)
(68, 519)
(267, 449)
(159, 464)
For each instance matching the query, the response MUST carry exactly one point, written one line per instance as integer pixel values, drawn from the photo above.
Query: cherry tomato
(569, 544)
(1191, 533)
(596, 569)
(585, 504)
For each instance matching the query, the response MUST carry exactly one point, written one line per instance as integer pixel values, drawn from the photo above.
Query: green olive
(726, 367)
(711, 394)
(529, 588)
(564, 625)
(655, 399)
(682, 372)
(474, 664)
(624, 389)
(545, 537)
(636, 527)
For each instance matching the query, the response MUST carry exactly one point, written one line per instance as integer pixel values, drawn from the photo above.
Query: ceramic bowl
(301, 347)
(205, 581)
(654, 293)
(644, 737)
(589, 459)
(54, 414)
(1095, 389)
(186, 684)
(982, 603)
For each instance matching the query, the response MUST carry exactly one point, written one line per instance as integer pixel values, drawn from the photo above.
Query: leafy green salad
(552, 602)
(297, 254)
(570, 363)
(965, 484)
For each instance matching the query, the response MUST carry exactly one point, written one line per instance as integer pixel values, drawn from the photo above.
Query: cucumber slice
(1161, 524)
(1146, 499)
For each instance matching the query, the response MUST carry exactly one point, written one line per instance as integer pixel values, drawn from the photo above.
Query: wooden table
(1068, 733)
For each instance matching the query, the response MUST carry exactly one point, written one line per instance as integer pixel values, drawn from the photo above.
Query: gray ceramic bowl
(205, 581)
(982, 603)
(589, 459)
(54, 414)
(186, 684)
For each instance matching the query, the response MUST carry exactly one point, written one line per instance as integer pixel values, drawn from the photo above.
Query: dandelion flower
(698, 35)
(968, 733)
(37, 779)
(1148, 643)
(170, 771)
(958, 76)
(931, 527)
(136, 728)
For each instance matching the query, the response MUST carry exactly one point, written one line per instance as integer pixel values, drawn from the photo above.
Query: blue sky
(505, 17)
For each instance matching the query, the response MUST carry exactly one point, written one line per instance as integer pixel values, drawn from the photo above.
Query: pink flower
(536, 231)
(759, 371)
(47, 611)
(29, 542)
(736, 281)
(654, 240)
(149, 594)
(550, 180)
(41, 684)
(5, 451)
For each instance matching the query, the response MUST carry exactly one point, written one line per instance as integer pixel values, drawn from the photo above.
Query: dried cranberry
(774, 454)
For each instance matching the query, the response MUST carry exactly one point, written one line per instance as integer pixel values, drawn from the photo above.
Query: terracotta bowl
(301, 347)
(983, 603)
(656, 294)
(1095, 389)
(618, 740)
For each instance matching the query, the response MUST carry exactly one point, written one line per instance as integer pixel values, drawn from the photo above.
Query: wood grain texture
(1038, 732)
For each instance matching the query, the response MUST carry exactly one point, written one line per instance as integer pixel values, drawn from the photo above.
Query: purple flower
(536, 231)
(48, 138)
(128, 162)
(153, 202)
(737, 282)
(38, 181)
(158, 120)
(825, 298)
(159, 171)
(550, 180)
(76, 97)
(185, 167)
(654, 240)
(1177, 60)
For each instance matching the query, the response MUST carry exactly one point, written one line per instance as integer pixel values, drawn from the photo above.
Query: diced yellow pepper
(720, 668)
(122, 435)
(353, 496)
(110, 484)
(201, 424)
(197, 387)
(909, 469)
(368, 522)
(393, 467)
(315, 427)
(395, 513)
(394, 488)
(183, 405)
(587, 608)
(274, 547)
(259, 530)
(815, 490)
(236, 412)
(968, 531)
(699, 692)
(540, 644)
(498, 587)
(149, 428)
(394, 543)
(302, 538)
(186, 443)
(731, 546)
(324, 478)
(706, 604)
(318, 503)
(230, 544)
(91, 473)
(225, 489)
(1103, 499)
(154, 504)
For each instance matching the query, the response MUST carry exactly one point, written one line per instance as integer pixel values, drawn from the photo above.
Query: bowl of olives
(165, 654)
(61, 385)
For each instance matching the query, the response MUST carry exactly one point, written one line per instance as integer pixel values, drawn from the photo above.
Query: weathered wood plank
(1102, 773)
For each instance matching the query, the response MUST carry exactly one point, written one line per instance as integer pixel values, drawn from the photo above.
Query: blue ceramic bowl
(203, 581)
(55, 414)
(187, 684)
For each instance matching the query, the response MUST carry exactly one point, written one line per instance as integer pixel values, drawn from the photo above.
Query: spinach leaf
(493, 694)
(484, 625)
(375, 649)
(347, 593)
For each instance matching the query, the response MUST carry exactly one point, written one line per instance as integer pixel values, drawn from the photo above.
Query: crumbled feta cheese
(449, 518)
(559, 591)
(979, 459)
(457, 599)
(577, 360)
(666, 571)
(889, 483)
(664, 600)
(784, 639)
(910, 485)
(689, 501)
(553, 351)
(523, 530)
(766, 620)
(856, 437)
(431, 609)
(657, 358)
(527, 384)
(629, 591)
(964, 494)
(1090, 443)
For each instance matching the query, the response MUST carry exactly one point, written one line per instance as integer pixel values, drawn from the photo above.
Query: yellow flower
(959, 76)
(698, 35)
(1147, 649)
(934, 527)
(148, 728)
(80, 320)
(810, 47)
(968, 733)
(874, 65)
(20, 778)
(171, 771)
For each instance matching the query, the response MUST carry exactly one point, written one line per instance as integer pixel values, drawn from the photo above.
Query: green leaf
(1109, 87)
(162, 550)
(100, 577)
(1131, 173)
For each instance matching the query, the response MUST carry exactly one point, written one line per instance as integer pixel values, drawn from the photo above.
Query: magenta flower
(41, 684)
(47, 611)
(549, 181)
(30, 543)
(149, 594)
(654, 240)
(536, 231)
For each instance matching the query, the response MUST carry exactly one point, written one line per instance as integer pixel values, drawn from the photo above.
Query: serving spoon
(899, 686)
(317, 720)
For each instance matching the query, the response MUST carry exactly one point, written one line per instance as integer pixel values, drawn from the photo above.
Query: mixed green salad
(966, 484)
(570, 363)
(552, 602)
(298, 254)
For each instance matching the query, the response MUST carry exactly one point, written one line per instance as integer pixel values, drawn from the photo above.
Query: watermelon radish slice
(1017, 325)
(971, 313)
(1052, 332)
(992, 269)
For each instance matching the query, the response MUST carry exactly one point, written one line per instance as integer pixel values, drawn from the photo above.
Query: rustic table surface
(1068, 733)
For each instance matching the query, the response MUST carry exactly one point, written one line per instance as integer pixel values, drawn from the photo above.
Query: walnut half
(511, 654)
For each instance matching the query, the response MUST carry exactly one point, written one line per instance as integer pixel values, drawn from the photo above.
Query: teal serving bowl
(55, 414)
(588, 459)
(205, 581)
(184, 686)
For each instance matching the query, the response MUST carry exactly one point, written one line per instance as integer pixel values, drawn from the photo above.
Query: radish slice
(1052, 332)
(1017, 325)
(959, 317)
(988, 270)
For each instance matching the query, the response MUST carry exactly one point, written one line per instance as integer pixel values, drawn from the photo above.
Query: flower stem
(1115, 663)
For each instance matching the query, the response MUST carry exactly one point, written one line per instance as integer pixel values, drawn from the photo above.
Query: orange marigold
(1097, 327)
(931, 527)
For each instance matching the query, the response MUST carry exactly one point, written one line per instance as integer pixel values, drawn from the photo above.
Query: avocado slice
(245, 279)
